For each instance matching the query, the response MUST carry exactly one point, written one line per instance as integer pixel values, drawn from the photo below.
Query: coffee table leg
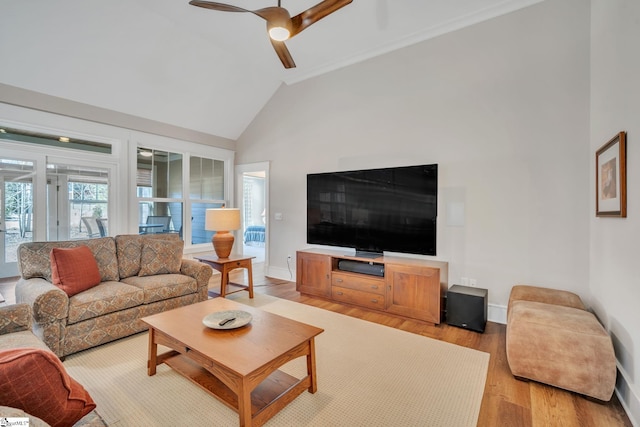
(311, 366)
(244, 404)
(152, 362)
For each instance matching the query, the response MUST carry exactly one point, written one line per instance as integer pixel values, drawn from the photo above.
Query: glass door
(16, 210)
(77, 201)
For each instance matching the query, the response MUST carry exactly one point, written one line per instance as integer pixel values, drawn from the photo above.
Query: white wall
(502, 107)
(615, 107)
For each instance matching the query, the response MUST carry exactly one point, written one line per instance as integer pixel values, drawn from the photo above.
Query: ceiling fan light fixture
(279, 34)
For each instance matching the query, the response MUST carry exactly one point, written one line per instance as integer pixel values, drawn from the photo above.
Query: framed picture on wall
(611, 177)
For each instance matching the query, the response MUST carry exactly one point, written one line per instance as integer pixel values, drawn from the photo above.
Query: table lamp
(222, 221)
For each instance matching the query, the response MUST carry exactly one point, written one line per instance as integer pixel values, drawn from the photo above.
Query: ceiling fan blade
(271, 13)
(217, 6)
(316, 13)
(266, 13)
(283, 54)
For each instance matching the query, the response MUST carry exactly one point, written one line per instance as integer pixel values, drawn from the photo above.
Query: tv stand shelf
(410, 287)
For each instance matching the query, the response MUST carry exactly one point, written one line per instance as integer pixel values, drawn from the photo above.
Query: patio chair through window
(92, 226)
(158, 224)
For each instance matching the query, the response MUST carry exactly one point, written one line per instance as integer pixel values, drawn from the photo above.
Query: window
(16, 207)
(162, 207)
(206, 190)
(159, 190)
(77, 202)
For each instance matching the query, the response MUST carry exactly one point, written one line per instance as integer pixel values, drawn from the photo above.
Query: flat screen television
(374, 210)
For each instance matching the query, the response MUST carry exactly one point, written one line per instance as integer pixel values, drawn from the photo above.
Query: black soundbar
(361, 267)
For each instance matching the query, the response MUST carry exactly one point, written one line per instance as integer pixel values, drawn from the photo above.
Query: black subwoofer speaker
(467, 307)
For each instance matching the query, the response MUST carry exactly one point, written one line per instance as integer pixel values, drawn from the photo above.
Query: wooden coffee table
(238, 366)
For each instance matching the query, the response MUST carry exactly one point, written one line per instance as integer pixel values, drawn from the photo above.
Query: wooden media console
(410, 287)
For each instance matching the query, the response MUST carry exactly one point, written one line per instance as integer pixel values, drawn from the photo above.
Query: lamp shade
(223, 219)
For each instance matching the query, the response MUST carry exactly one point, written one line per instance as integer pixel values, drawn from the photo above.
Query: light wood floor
(506, 401)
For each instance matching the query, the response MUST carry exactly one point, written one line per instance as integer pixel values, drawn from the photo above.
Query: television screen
(375, 210)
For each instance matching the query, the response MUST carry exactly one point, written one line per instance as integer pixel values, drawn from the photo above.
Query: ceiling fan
(280, 25)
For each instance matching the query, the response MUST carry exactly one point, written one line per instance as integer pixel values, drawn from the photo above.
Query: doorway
(16, 208)
(44, 199)
(252, 186)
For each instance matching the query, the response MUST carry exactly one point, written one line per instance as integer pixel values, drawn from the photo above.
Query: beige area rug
(368, 375)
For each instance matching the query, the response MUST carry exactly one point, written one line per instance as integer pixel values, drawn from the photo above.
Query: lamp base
(222, 243)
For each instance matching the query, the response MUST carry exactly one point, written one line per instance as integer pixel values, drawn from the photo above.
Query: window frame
(187, 150)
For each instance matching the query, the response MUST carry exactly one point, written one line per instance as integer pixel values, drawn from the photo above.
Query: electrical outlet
(473, 283)
(464, 281)
(288, 257)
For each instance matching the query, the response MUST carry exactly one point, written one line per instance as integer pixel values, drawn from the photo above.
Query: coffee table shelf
(262, 397)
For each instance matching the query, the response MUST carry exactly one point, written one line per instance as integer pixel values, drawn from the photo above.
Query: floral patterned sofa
(136, 280)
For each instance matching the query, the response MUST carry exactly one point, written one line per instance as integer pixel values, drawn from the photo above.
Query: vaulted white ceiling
(205, 70)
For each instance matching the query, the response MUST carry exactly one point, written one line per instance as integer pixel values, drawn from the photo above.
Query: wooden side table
(225, 266)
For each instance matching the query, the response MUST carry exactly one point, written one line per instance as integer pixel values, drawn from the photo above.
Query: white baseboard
(280, 273)
(497, 313)
(627, 397)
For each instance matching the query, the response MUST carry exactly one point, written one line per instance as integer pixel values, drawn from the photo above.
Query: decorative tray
(228, 319)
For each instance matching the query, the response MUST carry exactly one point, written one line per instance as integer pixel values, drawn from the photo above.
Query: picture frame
(611, 178)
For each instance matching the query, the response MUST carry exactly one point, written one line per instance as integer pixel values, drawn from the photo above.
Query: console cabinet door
(313, 274)
(413, 291)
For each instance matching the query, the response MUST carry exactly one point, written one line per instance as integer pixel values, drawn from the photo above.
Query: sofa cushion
(163, 286)
(544, 295)
(34, 257)
(35, 381)
(129, 250)
(107, 297)
(160, 257)
(74, 269)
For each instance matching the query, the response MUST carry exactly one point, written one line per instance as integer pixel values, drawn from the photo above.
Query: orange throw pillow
(35, 381)
(74, 269)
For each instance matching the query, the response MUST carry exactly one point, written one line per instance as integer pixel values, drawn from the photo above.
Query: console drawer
(358, 282)
(353, 296)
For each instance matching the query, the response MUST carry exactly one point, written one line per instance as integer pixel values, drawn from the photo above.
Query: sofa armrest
(199, 271)
(15, 318)
(48, 302)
